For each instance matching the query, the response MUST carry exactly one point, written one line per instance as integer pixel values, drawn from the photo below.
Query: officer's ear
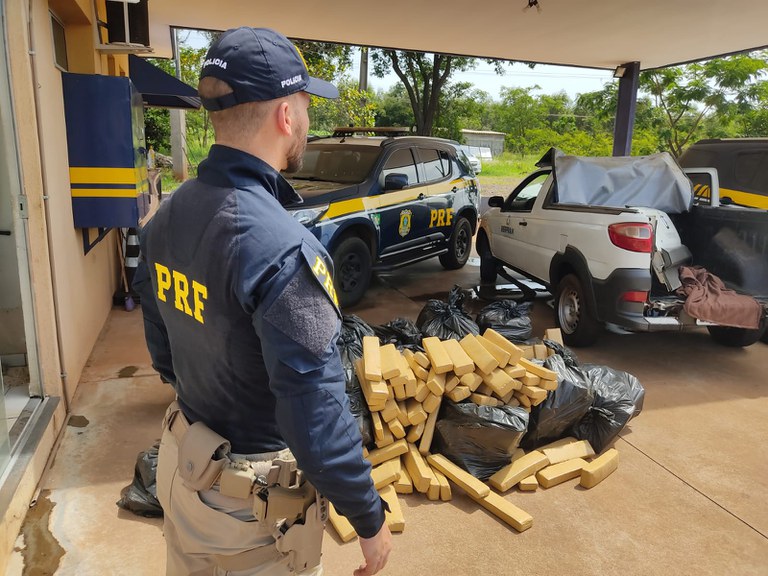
(283, 118)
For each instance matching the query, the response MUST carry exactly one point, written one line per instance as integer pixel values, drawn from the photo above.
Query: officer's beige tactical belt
(280, 495)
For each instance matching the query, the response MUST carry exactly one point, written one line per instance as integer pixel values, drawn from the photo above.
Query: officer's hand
(376, 551)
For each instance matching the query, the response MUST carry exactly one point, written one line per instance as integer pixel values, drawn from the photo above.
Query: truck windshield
(346, 164)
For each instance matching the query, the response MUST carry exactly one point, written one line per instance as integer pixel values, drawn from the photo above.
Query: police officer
(246, 295)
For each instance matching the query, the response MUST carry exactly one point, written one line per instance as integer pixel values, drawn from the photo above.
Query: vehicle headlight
(308, 216)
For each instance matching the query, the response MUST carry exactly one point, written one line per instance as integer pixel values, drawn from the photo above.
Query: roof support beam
(628, 75)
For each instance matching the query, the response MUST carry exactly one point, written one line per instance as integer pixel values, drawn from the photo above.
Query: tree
(157, 129)
(557, 112)
(424, 77)
(520, 113)
(393, 108)
(353, 108)
(595, 113)
(687, 94)
(461, 106)
(754, 122)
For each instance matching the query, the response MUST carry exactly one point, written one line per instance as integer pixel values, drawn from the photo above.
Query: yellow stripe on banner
(103, 193)
(80, 175)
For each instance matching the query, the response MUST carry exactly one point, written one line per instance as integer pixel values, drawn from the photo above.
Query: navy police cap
(258, 64)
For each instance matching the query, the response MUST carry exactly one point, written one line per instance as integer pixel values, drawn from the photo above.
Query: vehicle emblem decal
(405, 223)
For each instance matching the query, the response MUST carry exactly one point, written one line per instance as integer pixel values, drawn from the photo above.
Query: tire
(573, 313)
(489, 265)
(736, 337)
(459, 246)
(352, 270)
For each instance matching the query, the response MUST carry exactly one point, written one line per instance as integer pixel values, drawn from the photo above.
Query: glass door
(20, 382)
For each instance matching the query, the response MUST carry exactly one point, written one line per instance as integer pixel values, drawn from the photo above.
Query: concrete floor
(689, 496)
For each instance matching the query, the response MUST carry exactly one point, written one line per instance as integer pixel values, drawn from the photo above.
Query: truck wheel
(736, 337)
(576, 321)
(459, 246)
(488, 264)
(352, 270)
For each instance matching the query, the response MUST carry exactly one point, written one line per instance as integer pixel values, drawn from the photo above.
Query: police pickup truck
(607, 237)
(384, 201)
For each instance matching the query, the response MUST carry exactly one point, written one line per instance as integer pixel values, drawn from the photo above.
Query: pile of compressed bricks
(404, 391)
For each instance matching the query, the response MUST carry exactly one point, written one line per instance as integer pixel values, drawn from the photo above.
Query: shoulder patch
(305, 313)
(322, 272)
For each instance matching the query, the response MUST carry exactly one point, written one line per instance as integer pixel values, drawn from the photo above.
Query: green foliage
(352, 108)
(157, 128)
(519, 114)
(424, 77)
(392, 108)
(167, 181)
(688, 95)
(462, 106)
(326, 60)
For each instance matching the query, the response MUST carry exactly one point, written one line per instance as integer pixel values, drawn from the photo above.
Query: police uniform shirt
(247, 298)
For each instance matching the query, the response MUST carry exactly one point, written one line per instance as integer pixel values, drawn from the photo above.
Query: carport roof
(588, 33)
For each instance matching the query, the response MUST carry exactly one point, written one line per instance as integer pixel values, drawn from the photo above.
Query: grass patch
(509, 165)
(167, 181)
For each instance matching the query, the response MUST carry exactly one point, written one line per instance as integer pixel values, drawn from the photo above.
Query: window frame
(445, 160)
(382, 174)
(55, 20)
(507, 206)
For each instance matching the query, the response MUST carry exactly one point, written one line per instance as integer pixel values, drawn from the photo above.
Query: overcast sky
(551, 79)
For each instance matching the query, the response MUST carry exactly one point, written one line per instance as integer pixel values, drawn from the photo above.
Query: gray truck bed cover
(654, 181)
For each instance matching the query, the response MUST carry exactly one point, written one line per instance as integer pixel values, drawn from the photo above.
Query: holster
(199, 467)
(303, 542)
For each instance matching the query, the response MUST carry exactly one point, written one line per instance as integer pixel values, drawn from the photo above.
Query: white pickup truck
(600, 234)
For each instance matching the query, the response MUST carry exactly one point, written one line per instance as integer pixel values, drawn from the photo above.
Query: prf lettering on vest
(168, 279)
(322, 274)
(442, 217)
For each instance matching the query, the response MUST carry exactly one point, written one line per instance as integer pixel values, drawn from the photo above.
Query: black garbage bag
(563, 408)
(401, 332)
(359, 408)
(508, 318)
(480, 439)
(618, 398)
(447, 320)
(605, 378)
(350, 345)
(350, 340)
(140, 497)
(567, 354)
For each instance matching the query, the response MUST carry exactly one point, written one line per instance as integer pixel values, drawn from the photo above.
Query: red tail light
(632, 236)
(634, 296)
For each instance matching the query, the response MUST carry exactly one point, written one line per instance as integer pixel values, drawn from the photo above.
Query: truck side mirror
(496, 201)
(395, 181)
